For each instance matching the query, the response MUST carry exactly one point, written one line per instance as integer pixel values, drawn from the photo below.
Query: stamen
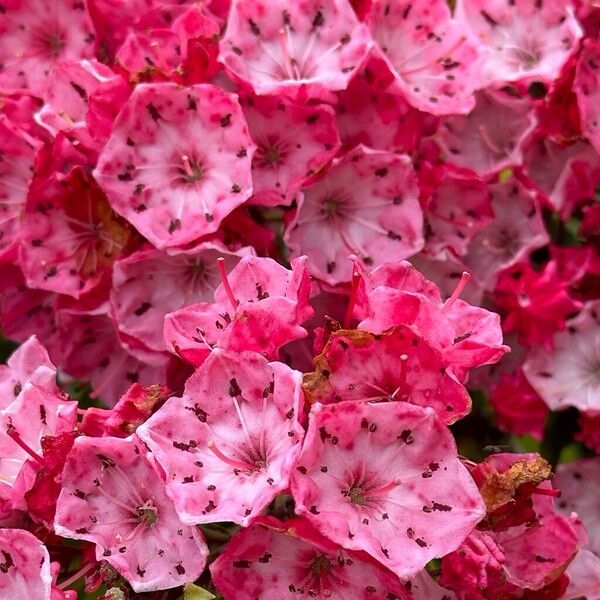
(12, 432)
(489, 142)
(285, 51)
(382, 489)
(546, 492)
(187, 166)
(225, 282)
(464, 279)
(352, 299)
(403, 374)
(237, 464)
(67, 582)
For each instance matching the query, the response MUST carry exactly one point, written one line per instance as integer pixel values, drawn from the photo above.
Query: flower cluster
(300, 299)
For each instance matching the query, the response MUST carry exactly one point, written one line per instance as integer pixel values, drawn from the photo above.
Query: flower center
(357, 496)
(147, 513)
(271, 153)
(191, 170)
(332, 207)
(55, 43)
(321, 564)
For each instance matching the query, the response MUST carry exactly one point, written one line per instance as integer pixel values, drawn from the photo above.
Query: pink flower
(35, 413)
(294, 142)
(24, 566)
(149, 284)
(372, 111)
(516, 230)
(522, 545)
(277, 47)
(258, 306)
(586, 85)
(113, 497)
(397, 294)
(95, 354)
(435, 58)
(578, 482)
(521, 40)
(568, 376)
(491, 136)
(29, 363)
(563, 174)
(272, 559)
(458, 207)
(394, 366)
(178, 161)
(367, 205)
(385, 479)
(228, 446)
(17, 149)
(35, 35)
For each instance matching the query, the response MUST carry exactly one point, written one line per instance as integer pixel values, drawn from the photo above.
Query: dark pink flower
(70, 236)
(259, 306)
(113, 497)
(394, 366)
(535, 304)
(228, 446)
(385, 478)
(178, 161)
(589, 429)
(519, 408)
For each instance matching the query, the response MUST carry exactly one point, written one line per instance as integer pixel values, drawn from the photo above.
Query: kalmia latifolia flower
(178, 161)
(570, 375)
(396, 365)
(272, 560)
(367, 205)
(435, 59)
(299, 299)
(294, 142)
(521, 40)
(229, 445)
(36, 35)
(385, 479)
(113, 497)
(24, 566)
(258, 306)
(281, 47)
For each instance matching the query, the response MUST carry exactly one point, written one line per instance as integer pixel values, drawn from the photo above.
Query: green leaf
(193, 592)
